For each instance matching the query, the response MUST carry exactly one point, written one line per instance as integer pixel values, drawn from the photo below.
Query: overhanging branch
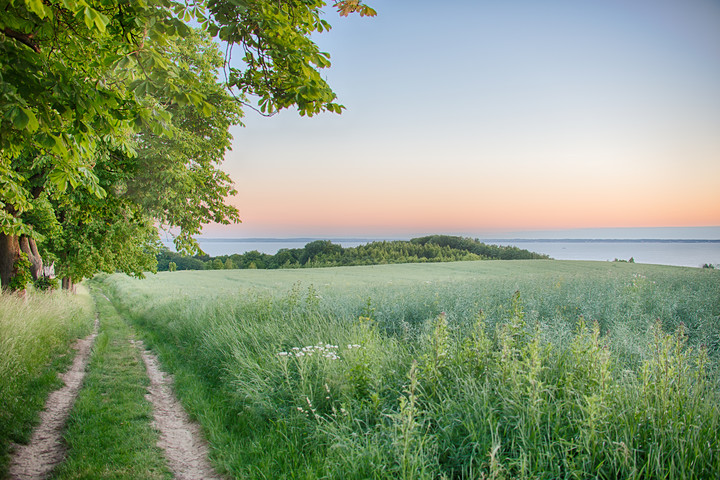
(24, 38)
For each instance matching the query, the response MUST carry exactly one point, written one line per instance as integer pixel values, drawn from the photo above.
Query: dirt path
(36, 460)
(180, 438)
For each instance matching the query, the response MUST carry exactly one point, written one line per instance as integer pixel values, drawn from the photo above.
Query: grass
(540, 369)
(35, 340)
(109, 435)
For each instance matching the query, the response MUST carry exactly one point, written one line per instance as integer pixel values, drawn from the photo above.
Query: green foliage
(46, 283)
(165, 257)
(478, 248)
(113, 112)
(22, 276)
(324, 253)
(293, 381)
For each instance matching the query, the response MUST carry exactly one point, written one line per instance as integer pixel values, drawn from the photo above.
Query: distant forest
(324, 253)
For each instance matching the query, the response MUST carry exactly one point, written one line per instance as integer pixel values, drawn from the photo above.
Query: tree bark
(9, 254)
(67, 284)
(24, 38)
(29, 246)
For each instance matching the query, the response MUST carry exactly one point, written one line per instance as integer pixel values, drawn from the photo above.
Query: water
(689, 253)
(685, 253)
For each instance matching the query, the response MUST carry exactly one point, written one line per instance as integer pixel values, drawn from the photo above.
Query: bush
(46, 283)
(22, 273)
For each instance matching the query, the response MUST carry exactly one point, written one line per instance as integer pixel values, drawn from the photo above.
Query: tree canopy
(114, 122)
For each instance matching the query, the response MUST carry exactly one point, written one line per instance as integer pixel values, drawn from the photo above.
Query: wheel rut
(46, 449)
(180, 438)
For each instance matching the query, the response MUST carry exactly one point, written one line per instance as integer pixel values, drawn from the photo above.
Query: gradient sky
(471, 117)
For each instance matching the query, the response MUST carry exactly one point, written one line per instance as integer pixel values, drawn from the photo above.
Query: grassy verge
(109, 433)
(493, 370)
(35, 340)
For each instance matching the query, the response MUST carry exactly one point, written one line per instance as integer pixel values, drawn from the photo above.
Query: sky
(485, 118)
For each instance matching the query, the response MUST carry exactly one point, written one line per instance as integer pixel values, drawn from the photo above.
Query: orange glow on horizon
(465, 204)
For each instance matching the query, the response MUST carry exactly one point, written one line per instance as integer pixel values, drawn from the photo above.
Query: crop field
(494, 369)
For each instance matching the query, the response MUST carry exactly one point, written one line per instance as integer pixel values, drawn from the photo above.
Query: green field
(495, 369)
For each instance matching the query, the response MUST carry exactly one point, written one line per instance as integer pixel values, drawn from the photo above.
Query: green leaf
(59, 179)
(88, 17)
(23, 118)
(94, 18)
(207, 109)
(38, 8)
(182, 29)
(181, 99)
(19, 118)
(122, 63)
(45, 140)
(32, 124)
(141, 89)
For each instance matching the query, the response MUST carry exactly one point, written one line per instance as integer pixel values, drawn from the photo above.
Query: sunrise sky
(479, 117)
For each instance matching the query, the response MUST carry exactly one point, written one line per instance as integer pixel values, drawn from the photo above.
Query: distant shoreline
(488, 241)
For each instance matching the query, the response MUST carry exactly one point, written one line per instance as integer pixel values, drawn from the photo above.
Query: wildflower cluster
(326, 351)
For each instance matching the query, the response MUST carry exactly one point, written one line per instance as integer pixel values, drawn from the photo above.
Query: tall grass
(35, 339)
(509, 370)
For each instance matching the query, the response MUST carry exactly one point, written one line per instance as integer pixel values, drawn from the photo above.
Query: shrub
(22, 273)
(46, 283)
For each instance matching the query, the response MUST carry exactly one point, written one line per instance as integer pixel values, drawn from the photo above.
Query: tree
(317, 248)
(93, 84)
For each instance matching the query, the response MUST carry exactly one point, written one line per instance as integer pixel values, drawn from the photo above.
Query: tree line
(324, 253)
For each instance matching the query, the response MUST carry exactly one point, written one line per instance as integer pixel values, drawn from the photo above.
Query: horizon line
(484, 240)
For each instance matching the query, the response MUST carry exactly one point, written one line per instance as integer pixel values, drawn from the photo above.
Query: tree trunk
(29, 246)
(67, 284)
(9, 254)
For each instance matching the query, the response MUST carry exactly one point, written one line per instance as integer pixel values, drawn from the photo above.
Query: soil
(180, 438)
(46, 449)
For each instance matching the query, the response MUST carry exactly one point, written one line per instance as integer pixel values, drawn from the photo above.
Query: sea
(680, 252)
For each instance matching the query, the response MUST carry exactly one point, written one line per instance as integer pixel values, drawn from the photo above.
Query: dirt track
(46, 448)
(179, 437)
